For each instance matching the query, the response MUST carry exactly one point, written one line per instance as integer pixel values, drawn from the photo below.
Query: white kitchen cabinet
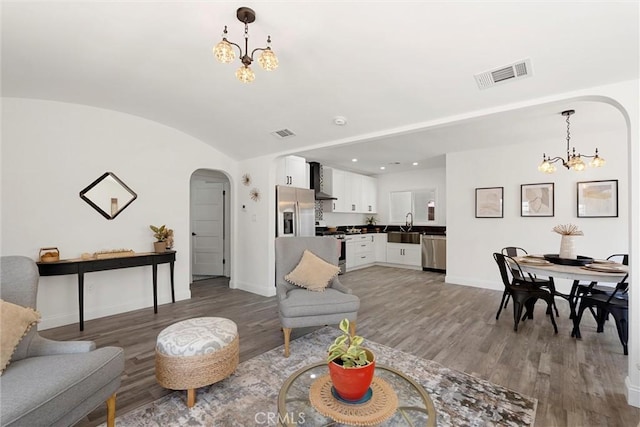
(350, 254)
(292, 171)
(360, 251)
(404, 254)
(369, 194)
(334, 184)
(380, 247)
(355, 193)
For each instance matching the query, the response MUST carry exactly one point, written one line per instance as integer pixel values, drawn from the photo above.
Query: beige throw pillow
(15, 322)
(312, 272)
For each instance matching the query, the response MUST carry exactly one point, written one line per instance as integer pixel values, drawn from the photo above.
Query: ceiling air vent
(515, 71)
(283, 133)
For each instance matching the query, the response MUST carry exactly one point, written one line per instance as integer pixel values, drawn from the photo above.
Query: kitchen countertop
(427, 230)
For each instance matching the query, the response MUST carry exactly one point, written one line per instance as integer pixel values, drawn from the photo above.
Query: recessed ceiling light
(340, 121)
(354, 160)
(415, 163)
(382, 168)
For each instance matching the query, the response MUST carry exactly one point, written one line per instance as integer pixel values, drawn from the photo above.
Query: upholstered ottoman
(196, 352)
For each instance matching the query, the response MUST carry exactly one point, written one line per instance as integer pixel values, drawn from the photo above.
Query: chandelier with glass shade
(573, 161)
(225, 53)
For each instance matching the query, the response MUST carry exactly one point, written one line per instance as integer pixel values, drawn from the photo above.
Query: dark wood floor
(576, 382)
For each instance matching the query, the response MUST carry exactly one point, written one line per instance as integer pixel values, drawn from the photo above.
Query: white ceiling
(385, 66)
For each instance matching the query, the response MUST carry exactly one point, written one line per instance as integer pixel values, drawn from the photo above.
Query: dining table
(600, 271)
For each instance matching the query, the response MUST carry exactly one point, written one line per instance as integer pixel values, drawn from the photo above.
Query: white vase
(567, 247)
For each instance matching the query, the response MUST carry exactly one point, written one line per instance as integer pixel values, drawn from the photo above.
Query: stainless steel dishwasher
(434, 252)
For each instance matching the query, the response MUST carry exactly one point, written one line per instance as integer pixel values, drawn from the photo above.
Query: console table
(81, 266)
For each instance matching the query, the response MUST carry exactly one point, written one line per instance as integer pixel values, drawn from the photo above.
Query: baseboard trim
(98, 312)
(254, 289)
(475, 283)
(633, 393)
(388, 264)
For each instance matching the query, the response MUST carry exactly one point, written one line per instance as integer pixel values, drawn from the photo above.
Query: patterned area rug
(251, 393)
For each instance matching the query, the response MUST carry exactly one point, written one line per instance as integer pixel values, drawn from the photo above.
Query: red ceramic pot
(352, 383)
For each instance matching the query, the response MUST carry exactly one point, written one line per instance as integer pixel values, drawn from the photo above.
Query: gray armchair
(52, 383)
(299, 307)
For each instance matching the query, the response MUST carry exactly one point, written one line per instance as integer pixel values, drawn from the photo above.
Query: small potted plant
(371, 222)
(161, 234)
(351, 366)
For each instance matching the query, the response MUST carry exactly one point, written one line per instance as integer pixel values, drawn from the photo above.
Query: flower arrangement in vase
(567, 244)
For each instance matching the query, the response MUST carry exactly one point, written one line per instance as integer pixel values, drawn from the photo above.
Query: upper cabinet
(334, 184)
(369, 194)
(355, 193)
(292, 171)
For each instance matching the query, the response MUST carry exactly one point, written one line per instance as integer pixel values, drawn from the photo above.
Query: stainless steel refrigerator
(295, 211)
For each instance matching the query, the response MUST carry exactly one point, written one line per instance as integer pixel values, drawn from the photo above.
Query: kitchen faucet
(408, 223)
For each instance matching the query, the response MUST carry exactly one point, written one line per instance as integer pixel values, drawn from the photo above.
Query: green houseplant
(351, 366)
(371, 222)
(163, 236)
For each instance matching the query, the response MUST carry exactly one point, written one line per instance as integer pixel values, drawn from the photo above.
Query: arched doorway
(209, 223)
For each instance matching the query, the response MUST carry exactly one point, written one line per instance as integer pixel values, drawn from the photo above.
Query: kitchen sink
(404, 237)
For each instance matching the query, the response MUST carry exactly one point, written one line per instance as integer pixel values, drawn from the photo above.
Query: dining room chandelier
(573, 161)
(225, 53)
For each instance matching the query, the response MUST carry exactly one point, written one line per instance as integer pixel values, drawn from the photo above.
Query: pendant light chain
(568, 133)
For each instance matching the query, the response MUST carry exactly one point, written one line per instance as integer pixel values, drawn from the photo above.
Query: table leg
(81, 298)
(155, 287)
(173, 295)
(573, 299)
(552, 289)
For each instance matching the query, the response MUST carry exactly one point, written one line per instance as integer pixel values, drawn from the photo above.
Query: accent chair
(299, 307)
(52, 383)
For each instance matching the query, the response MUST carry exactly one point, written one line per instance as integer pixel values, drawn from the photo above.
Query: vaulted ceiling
(385, 66)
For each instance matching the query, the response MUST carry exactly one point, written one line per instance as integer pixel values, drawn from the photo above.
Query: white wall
(255, 228)
(51, 151)
(346, 219)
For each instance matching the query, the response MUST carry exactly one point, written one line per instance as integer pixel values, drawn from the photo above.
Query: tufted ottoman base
(195, 353)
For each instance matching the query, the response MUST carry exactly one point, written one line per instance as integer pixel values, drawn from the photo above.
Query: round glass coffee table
(415, 407)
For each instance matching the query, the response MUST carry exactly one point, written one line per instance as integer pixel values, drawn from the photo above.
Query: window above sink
(420, 203)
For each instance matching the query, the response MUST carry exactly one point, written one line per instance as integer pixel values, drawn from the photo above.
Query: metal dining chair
(594, 288)
(615, 303)
(514, 252)
(524, 292)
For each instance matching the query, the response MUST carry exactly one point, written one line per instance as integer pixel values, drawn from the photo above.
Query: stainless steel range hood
(314, 171)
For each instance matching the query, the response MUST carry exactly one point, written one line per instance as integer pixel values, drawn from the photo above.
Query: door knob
(193, 234)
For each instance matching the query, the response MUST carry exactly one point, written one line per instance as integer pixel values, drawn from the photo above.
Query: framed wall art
(598, 199)
(537, 199)
(489, 202)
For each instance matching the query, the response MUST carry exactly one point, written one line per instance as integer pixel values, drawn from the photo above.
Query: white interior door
(207, 227)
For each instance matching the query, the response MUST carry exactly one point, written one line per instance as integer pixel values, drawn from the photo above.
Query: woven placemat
(379, 408)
